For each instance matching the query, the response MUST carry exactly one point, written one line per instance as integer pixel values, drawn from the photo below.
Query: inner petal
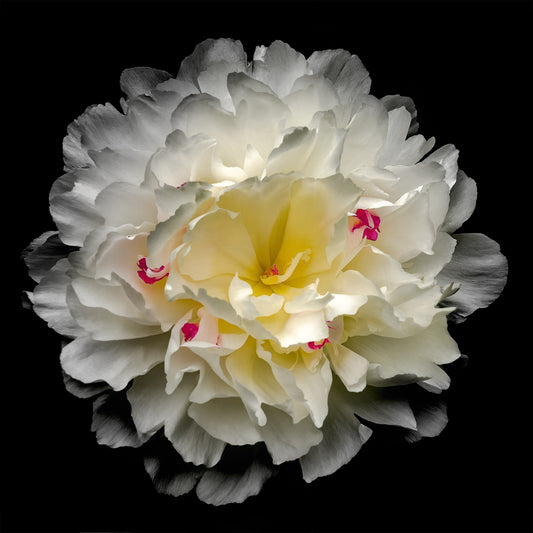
(275, 274)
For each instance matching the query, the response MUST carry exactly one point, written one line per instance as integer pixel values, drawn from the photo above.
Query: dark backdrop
(466, 65)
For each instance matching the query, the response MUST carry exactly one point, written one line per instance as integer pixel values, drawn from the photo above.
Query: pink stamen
(151, 275)
(189, 330)
(272, 271)
(316, 346)
(365, 219)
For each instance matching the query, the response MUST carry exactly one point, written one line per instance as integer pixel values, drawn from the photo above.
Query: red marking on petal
(151, 275)
(370, 233)
(189, 330)
(316, 346)
(370, 222)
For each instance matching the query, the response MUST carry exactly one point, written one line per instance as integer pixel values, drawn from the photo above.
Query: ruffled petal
(50, 300)
(112, 421)
(409, 359)
(285, 440)
(462, 202)
(380, 406)
(43, 253)
(141, 80)
(279, 67)
(348, 75)
(343, 436)
(479, 268)
(208, 66)
(226, 419)
(234, 479)
(115, 362)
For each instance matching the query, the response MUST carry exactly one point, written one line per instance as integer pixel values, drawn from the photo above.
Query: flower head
(256, 251)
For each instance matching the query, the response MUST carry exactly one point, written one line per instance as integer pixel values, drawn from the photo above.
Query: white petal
(315, 153)
(413, 177)
(462, 202)
(304, 327)
(446, 156)
(241, 297)
(115, 362)
(428, 266)
(125, 203)
(397, 150)
(395, 101)
(408, 230)
(181, 158)
(72, 209)
(365, 137)
(415, 357)
(50, 300)
(309, 95)
(349, 77)
(192, 442)
(210, 55)
(151, 406)
(279, 67)
(349, 366)
(343, 436)
(226, 419)
(105, 325)
(285, 440)
(254, 380)
(480, 269)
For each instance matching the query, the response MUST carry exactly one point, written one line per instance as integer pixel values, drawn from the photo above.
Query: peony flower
(249, 258)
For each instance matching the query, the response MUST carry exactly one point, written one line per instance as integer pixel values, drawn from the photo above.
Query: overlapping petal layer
(249, 254)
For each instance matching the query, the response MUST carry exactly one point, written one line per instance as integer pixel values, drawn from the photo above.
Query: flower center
(364, 219)
(273, 275)
(151, 275)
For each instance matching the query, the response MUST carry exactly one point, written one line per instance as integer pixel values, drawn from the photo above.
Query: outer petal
(462, 202)
(50, 301)
(169, 473)
(348, 75)
(382, 407)
(141, 80)
(226, 419)
(349, 366)
(480, 269)
(208, 66)
(43, 253)
(234, 480)
(115, 362)
(112, 421)
(343, 436)
(279, 67)
(365, 136)
(412, 357)
(285, 440)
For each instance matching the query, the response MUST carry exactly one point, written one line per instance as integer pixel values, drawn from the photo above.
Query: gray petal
(141, 80)
(480, 269)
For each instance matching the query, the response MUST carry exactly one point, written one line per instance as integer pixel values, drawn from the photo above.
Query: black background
(466, 65)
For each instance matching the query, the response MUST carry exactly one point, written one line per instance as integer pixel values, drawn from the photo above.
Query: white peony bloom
(250, 253)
